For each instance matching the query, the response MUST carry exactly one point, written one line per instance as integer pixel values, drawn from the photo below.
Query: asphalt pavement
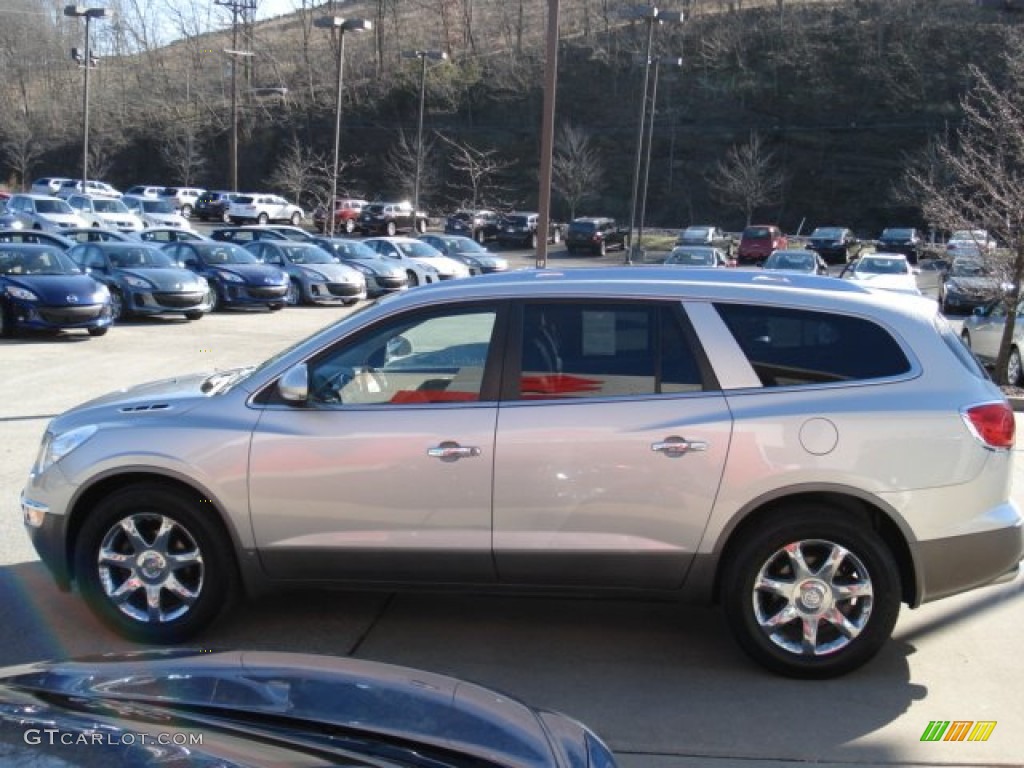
(662, 683)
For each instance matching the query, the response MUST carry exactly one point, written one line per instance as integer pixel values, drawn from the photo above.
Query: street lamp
(423, 56)
(672, 61)
(340, 26)
(87, 62)
(651, 15)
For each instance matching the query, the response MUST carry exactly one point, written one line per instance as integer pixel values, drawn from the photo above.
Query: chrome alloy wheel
(150, 568)
(812, 597)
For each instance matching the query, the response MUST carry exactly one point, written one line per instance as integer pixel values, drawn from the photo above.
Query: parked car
(155, 212)
(213, 206)
(704, 434)
(316, 278)
(905, 240)
(408, 249)
(168, 235)
(757, 242)
(977, 243)
(143, 280)
(184, 199)
(886, 271)
(596, 235)
(481, 225)
(48, 186)
(97, 188)
(982, 332)
(107, 212)
(245, 234)
(99, 235)
(390, 219)
(467, 250)
(697, 256)
(518, 229)
(263, 209)
(930, 275)
(50, 214)
(382, 275)
(801, 261)
(36, 237)
(836, 245)
(41, 289)
(261, 708)
(144, 190)
(236, 277)
(967, 285)
(707, 235)
(295, 234)
(346, 215)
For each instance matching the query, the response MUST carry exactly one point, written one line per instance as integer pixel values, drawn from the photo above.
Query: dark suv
(836, 245)
(212, 205)
(905, 240)
(519, 228)
(481, 225)
(596, 235)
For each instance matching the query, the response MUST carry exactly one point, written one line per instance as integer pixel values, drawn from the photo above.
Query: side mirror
(293, 386)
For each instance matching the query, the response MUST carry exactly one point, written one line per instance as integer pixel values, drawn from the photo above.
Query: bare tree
(577, 171)
(304, 175)
(400, 167)
(973, 179)
(183, 153)
(480, 170)
(21, 148)
(748, 177)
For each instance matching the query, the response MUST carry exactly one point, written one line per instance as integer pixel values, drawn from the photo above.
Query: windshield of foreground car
(226, 253)
(303, 253)
(41, 260)
(131, 258)
(419, 250)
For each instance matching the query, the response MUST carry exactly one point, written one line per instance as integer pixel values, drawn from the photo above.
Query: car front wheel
(1013, 368)
(153, 563)
(263, 219)
(812, 593)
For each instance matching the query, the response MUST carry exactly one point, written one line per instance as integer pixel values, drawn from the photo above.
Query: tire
(350, 226)
(1013, 368)
(176, 546)
(421, 226)
(602, 248)
(390, 228)
(194, 314)
(263, 219)
(225, 218)
(533, 241)
(759, 616)
(414, 279)
(294, 296)
(216, 302)
(479, 237)
(99, 331)
(7, 326)
(117, 306)
(965, 337)
(186, 211)
(556, 236)
(296, 219)
(277, 306)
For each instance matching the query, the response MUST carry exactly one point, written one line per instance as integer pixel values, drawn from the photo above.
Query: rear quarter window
(793, 347)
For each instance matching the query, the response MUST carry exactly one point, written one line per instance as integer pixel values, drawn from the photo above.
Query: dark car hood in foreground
(256, 708)
(59, 290)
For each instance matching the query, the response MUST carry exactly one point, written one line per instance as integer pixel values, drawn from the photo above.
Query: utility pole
(238, 8)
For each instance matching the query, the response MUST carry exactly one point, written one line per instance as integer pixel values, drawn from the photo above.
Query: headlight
(102, 294)
(363, 268)
(231, 277)
(137, 282)
(21, 293)
(314, 275)
(56, 447)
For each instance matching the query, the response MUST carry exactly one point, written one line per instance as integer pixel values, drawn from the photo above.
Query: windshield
(132, 256)
(968, 268)
(697, 233)
(302, 253)
(897, 234)
(110, 206)
(418, 250)
(876, 266)
(790, 260)
(53, 206)
(692, 258)
(157, 206)
(757, 233)
(463, 245)
(36, 260)
(225, 253)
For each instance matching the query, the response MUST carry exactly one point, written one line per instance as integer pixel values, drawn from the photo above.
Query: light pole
(82, 12)
(673, 61)
(422, 56)
(651, 15)
(340, 26)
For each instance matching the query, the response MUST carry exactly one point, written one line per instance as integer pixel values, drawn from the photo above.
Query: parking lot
(663, 684)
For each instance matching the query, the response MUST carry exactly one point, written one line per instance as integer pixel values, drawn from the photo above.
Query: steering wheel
(366, 384)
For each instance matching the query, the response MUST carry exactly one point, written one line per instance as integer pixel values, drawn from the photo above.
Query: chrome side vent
(145, 408)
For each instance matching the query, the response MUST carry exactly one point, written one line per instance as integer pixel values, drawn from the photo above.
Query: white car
(106, 212)
(182, 198)
(263, 209)
(40, 212)
(144, 190)
(970, 242)
(409, 249)
(97, 188)
(48, 185)
(155, 212)
(983, 333)
(888, 271)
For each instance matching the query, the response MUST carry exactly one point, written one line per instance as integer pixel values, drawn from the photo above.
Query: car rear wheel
(296, 219)
(479, 236)
(263, 219)
(153, 563)
(421, 226)
(186, 211)
(811, 593)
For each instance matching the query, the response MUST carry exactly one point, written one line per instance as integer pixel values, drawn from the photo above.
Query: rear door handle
(678, 446)
(449, 450)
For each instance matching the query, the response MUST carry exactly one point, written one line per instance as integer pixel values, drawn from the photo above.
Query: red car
(346, 211)
(757, 243)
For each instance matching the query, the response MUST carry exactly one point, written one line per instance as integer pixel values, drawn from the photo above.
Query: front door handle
(678, 446)
(452, 451)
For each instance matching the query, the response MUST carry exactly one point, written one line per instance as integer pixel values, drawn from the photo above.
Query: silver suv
(803, 451)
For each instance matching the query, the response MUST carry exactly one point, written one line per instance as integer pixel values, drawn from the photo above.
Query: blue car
(143, 280)
(42, 289)
(237, 278)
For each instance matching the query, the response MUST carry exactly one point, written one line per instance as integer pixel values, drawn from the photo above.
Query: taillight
(992, 423)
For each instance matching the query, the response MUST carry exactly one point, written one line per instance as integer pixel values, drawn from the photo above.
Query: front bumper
(32, 316)
(237, 294)
(149, 303)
